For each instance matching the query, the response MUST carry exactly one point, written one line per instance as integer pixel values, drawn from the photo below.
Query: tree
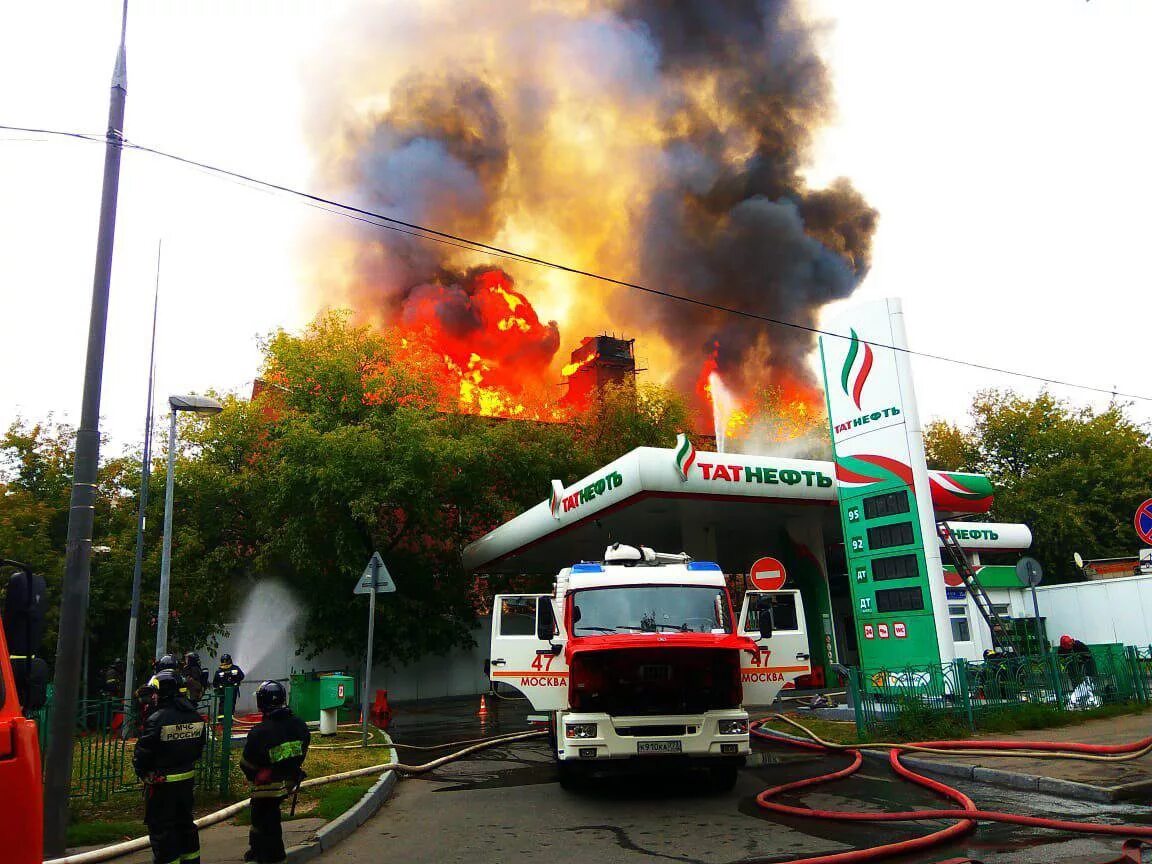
(1072, 474)
(357, 444)
(36, 467)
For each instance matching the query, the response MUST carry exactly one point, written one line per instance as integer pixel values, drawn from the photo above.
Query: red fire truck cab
(21, 794)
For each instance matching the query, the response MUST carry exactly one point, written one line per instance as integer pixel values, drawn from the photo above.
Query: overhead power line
(414, 229)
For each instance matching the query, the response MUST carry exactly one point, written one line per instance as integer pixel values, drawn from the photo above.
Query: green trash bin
(304, 696)
(335, 690)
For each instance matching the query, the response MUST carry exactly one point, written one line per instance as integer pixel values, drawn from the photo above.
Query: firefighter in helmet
(228, 674)
(165, 758)
(272, 760)
(146, 693)
(195, 678)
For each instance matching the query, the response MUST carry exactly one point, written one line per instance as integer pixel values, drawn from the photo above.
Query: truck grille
(643, 682)
(670, 730)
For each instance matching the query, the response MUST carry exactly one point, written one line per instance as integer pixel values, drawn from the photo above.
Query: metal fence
(975, 694)
(106, 732)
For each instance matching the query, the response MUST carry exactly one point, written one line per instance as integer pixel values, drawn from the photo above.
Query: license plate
(658, 747)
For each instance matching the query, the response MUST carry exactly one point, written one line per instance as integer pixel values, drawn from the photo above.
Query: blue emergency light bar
(704, 565)
(587, 567)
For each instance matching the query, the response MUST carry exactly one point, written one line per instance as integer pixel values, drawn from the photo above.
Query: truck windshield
(650, 609)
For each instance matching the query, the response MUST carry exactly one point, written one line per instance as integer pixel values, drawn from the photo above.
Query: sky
(1005, 147)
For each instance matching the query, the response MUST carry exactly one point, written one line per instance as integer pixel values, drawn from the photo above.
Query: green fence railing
(106, 732)
(968, 693)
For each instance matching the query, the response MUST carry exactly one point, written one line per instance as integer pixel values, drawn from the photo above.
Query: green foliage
(355, 444)
(1073, 475)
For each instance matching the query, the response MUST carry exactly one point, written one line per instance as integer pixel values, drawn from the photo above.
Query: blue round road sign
(1143, 521)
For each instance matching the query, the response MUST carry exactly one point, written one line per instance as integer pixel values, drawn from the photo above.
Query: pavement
(226, 843)
(507, 802)
(1109, 781)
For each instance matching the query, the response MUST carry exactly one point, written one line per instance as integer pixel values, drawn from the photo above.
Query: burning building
(600, 361)
(654, 142)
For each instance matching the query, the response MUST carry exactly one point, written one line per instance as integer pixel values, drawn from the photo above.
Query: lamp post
(196, 405)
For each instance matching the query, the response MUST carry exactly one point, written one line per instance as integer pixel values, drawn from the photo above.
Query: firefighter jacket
(228, 676)
(171, 742)
(195, 680)
(274, 753)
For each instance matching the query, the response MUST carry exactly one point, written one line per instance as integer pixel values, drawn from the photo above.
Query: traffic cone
(483, 712)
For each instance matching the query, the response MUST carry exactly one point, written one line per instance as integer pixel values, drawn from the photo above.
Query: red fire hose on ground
(967, 814)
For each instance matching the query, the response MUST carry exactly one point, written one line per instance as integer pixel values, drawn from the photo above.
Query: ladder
(1001, 631)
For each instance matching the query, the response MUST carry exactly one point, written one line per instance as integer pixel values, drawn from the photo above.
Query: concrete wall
(460, 672)
(1113, 610)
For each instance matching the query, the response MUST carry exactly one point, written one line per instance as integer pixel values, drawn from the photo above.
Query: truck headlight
(733, 727)
(580, 730)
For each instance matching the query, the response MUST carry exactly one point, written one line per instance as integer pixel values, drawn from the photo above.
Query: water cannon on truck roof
(640, 657)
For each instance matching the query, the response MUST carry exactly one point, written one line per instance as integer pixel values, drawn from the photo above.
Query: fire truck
(21, 814)
(640, 660)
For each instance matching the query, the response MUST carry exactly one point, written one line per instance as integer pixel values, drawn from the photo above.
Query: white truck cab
(641, 657)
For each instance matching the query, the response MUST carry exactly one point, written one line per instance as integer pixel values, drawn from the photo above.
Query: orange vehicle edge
(21, 792)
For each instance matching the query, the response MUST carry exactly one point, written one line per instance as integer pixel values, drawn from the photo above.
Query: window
(783, 608)
(1002, 609)
(899, 600)
(890, 504)
(517, 616)
(884, 536)
(650, 609)
(895, 567)
(958, 615)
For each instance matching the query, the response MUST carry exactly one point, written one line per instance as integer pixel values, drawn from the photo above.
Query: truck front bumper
(695, 736)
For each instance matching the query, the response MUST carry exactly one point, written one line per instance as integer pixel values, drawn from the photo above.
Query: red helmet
(1066, 641)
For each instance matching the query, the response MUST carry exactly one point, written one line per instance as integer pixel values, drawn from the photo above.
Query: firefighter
(112, 681)
(146, 693)
(165, 758)
(1077, 660)
(195, 678)
(228, 674)
(272, 760)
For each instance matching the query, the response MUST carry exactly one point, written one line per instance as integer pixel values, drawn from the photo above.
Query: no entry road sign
(768, 574)
(1143, 521)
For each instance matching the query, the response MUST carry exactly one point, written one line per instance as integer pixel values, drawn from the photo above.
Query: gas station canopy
(661, 497)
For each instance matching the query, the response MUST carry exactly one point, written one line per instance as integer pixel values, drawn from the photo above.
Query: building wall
(1112, 610)
(460, 672)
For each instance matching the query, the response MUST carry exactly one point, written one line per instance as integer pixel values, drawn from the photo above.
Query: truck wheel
(571, 776)
(722, 778)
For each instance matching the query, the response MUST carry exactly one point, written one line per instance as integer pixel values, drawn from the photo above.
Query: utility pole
(166, 546)
(74, 599)
(142, 510)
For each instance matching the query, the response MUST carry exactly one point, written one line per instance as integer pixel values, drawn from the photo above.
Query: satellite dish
(1029, 571)
(1078, 559)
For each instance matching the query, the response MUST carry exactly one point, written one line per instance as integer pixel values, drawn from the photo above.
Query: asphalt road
(505, 804)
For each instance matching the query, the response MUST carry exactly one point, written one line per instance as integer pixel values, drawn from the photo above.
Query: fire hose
(107, 853)
(967, 814)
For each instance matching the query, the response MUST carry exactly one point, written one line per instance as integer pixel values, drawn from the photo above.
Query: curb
(1014, 779)
(346, 823)
(1024, 782)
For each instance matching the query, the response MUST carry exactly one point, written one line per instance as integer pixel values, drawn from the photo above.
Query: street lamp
(195, 405)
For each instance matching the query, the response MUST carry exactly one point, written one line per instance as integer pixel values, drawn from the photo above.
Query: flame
(781, 411)
(493, 344)
(572, 368)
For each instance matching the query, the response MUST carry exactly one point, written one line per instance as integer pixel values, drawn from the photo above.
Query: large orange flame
(496, 350)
